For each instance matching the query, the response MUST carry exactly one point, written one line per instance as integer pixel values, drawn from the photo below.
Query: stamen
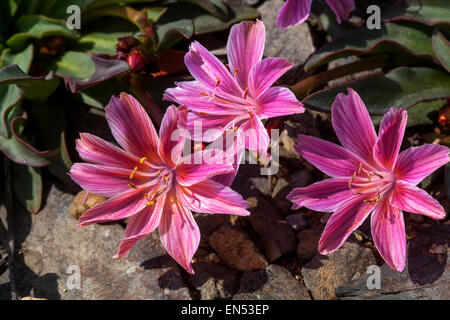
(203, 94)
(133, 172)
(217, 82)
(235, 71)
(132, 186)
(142, 160)
(150, 203)
(203, 113)
(245, 93)
(374, 199)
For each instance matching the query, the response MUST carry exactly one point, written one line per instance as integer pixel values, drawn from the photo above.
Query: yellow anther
(203, 94)
(374, 199)
(133, 172)
(132, 186)
(166, 178)
(217, 82)
(245, 93)
(142, 160)
(150, 203)
(235, 71)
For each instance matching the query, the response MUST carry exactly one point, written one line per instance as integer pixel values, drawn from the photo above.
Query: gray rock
(214, 281)
(272, 283)
(294, 44)
(307, 242)
(277, 236)
(323, 274)
(426, 275)
(52, 247)
(279, 193)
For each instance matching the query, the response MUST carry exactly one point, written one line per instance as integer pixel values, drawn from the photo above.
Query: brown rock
(236, 249)
(277, 236)
(77, 207)
(53, 249)
(307, 242)
(272, 283)
(323, 274)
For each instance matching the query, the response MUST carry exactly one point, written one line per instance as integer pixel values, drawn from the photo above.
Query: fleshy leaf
(22, 59)
(430, 12)
(33, 88)
(402, 88)
(441, 48)
(27, 186)
(412, 39)
(38, 27)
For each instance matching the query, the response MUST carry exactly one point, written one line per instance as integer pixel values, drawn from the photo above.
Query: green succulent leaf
(402, 88)
(81, 70)
(430, 12)
(38, 27)
(411, 38)
(23, 59)
(28, 186)
(10, 96)
(33, 88)
(441, 48)
(99, 96)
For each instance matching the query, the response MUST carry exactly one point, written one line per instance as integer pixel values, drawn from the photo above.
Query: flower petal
(392, 130)
(412, 199)
(172, 135)
(328, 157)
(209, 71)
(212, 197)
(325, 196)
(263, 74)
(131, 126)
(140, 225)
(245, 49)
(209, 128)
(96, 150)
(179, 232)
(341, 8)
(416, 163)
(388, 233)
(278, 101)
(293, 13)
(116, 208)
(102, 180)
(253, 135)
(353, 125)
(343, 222)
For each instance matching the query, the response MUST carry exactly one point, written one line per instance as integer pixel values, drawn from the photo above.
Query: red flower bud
(137, 60)
(125, 44)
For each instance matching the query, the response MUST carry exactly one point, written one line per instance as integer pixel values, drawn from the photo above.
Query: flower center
(374, 184)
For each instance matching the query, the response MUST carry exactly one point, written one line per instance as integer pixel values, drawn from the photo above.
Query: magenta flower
(149, 182)
(297, 11)
(368, 175)
(237, 97)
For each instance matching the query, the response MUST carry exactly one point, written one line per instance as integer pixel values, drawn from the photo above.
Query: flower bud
(125, 44)
(137, 60)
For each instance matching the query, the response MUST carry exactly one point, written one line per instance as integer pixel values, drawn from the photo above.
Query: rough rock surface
(277, 236)
(307, 242)
(294, 44)
(54, 248)
(236, 249)
(426, 275)
(323, 274)
(272, 283)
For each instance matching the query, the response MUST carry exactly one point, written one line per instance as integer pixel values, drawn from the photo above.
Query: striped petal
(353, 125)
(140, 225)
(278, 101)
(293, 12)
(412, 199)
(341, 8)
(325, 196)
(116, 208)
(392, 130)
(253, 136)
(131, 126)
(343, 222)
(263, 74)
(179, 232)
(416, 163)
(388, 233)
(245, 49)
(96, 150)
(328, 157)
(172, 135)
(212, 197)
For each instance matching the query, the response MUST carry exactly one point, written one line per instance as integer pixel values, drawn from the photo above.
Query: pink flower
(297, 11)
(237, 97)
(148, 181)
(368, 175)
